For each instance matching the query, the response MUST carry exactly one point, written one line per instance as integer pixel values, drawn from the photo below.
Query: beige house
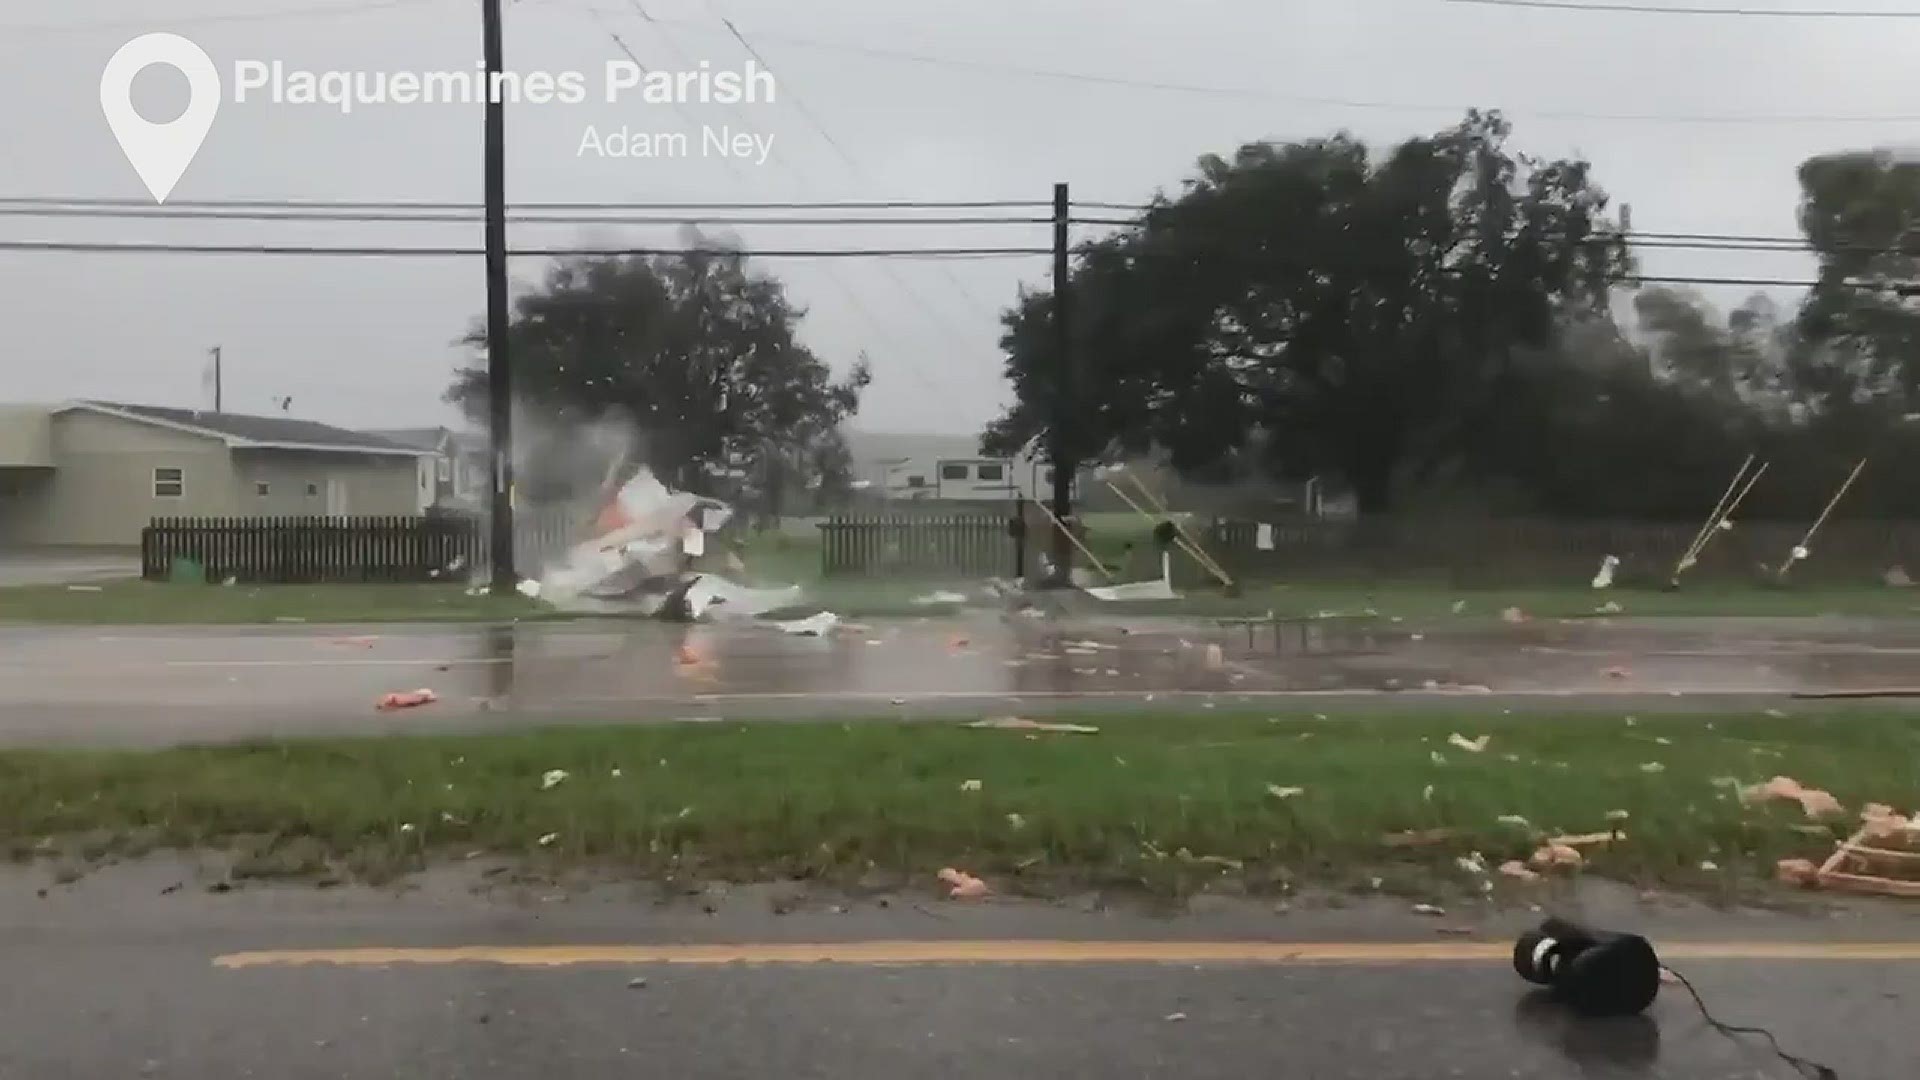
(94, 473)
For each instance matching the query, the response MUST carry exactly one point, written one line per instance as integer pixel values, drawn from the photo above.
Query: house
(942, 468)
(453, 474)
(94, 473)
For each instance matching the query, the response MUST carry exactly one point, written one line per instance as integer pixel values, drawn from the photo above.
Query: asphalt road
(165, 685)
(112, 977)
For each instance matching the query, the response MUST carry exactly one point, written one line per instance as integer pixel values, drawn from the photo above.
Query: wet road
(130, 982)
(166, 685)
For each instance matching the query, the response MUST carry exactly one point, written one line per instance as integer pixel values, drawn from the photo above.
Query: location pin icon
(160, 153)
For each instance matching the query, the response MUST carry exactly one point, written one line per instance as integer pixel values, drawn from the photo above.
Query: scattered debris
(636, 984)
(548, 839)
(406, 699)
(84, 588)
(1618, 815)
(940, 596)
(1426, 793)
(1175, 1017)
(1517, 870)
(1709, 866)
(1652, 767)
(962, 885)
(819, 625)
(1420, 837)
(1618, 673)
(529, 588)
(1472, 864)
(1604, 579)
(1215, 659)
(1896, 578)
(1459, 607)
(1471, 746)
(1555, 854)
(1515, 820)
(1799, 872)
(1579, 840)
(970, 785)
(1609, 608)
(1429, 909)
(1514, 616)
(552, 778)
(1437, 757)
(1016, 822)
(1279, 792)
(1813, 801)
(1015, 723)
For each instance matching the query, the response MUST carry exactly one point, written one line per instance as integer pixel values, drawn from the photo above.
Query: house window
(169, 483)
(993, 472)
(312, 490)
(953, 472)
(916, 481)
(262, 488)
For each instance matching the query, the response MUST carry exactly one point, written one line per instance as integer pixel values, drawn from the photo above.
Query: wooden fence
(1496, 550)
(318, 550)
(972, 546)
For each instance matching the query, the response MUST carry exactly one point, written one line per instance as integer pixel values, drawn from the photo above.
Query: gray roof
(242, 431)
(420, 438)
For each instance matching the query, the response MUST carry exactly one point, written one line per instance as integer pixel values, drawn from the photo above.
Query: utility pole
(1061, 450)
(499, 372)
(217, 380)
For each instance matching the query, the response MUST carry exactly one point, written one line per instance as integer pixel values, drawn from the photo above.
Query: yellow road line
(1030, 952)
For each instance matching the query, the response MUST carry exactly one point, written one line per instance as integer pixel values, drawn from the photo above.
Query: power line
(87, 246)
(1657, 9)
(847, 158)
(402, 205)
(1261, 94)
(153, 213)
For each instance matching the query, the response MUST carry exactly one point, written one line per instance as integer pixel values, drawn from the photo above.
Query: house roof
(243, 432)
(420, 438)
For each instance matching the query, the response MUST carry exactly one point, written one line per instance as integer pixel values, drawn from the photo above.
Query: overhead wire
(1604, 6)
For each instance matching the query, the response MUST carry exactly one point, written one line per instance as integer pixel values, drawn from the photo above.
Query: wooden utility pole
(499, 370)
(218, 378)
(1061, 449)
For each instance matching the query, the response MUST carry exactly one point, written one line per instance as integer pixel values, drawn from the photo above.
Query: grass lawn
(1422, 599)
(1169, 802)
(157, 602)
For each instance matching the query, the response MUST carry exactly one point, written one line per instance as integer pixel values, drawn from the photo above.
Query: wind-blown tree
(699, 354)
(1860, 213)
(1363, 312)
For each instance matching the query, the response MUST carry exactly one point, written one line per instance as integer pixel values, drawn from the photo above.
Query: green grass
(1415, 599)
(1168, 802)
(155, 602)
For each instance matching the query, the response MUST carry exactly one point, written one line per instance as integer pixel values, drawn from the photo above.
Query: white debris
(1471, 746)
(1459, 607)
(1429, 909)
(548, 839)
(970, 785)
(1427, 794)
(1161, 589)
(812, 626)
(1604, 579)
(1279, 792)
(941, 596)
(553, 778)
(1653, 767)
(1515, 820)
(1800, 553)
(529, 588)
(1437, 757)
(1263, 537)
(1472, 864)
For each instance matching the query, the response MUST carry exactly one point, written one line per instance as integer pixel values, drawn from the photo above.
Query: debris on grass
(970, 785)
(962, 885)
(1016, 822)
(1459, 607)
(1517, 870)
(1420, 837)
(1279, 792)
(1709, 866)
(1800, 872)
(1611, 607)
(1436, 757)
(1516, 821)
(1471, 746)
(1896, 578)
(1473, 863)
(1652, 767)
(819, 625)
(939, 596)
(1580, 840)
(548, 839)
(1514, 616)
(1813, 801)
(552, 778)
(1429, 909)
(406, 699)
(1015, 723)
(1555, 854)
(1604, 578)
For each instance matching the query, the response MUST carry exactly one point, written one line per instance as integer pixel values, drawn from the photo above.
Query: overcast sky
(1698, 122)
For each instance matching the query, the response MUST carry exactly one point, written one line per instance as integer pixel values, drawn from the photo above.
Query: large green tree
(696, 352)
(1860, 212)
(1361, 310)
